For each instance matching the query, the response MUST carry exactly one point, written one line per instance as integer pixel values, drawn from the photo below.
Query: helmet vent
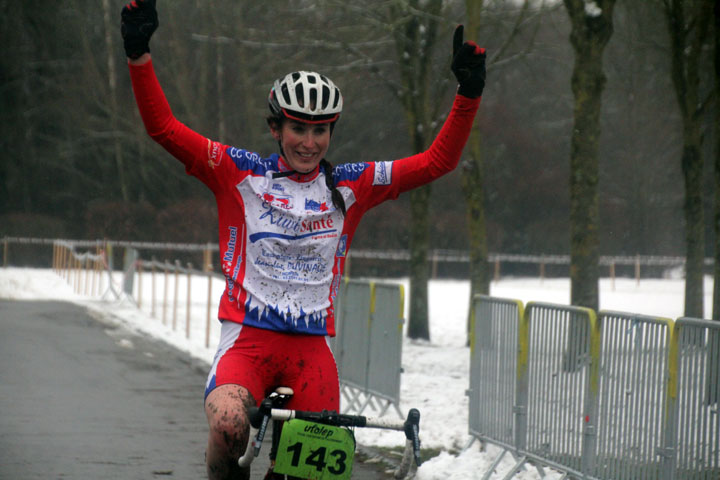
(325, 97)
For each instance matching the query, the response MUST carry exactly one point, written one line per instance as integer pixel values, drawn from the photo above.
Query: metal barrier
(493, 358)
(368, 345)
(635, 364)
(696, 407)
(558, 381)
(609, 396)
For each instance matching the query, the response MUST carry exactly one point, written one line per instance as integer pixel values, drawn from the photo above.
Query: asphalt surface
(84, 399)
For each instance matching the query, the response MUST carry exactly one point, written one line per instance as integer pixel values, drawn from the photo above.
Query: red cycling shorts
(262, 360)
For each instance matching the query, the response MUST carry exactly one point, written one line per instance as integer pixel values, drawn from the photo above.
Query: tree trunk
(591, 31)
(713, 390)
(688, 27)
(472, 184)
(110, 32)
(418, 326)
(692, 167)
(716, 275)
(414, 42)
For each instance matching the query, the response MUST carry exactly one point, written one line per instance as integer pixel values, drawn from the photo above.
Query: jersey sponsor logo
(245, 160)
(335, 287)
(278, 201)
(383, 173)
(241, 154)
(342, 247)
(293, 228)
(313, 206)
(214, 154)
(227, 263)
(230, 252)
(350, 171)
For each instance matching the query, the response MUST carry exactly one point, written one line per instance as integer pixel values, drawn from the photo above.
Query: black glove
(468, 65)
(139, 21)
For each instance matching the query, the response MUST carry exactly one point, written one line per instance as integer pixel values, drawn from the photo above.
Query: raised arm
(443, 155)
(139, 20)
(387, 180)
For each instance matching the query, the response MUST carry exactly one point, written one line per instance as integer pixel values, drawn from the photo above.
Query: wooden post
(175, 296)
(207, 258)
(188, 302)
(152, 307)
(209, 308)
(95, 277)
(140, 285)
(101, 265)
(87, 274)
(165, 293)
(77, 275)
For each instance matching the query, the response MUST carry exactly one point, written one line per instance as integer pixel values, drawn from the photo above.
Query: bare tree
(414, 40)
(688, 25)
(472, 180)
(592, 28)
(716, 276)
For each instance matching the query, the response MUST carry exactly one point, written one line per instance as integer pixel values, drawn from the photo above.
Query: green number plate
(315, 451)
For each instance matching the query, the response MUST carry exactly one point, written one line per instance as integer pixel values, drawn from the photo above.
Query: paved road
(82, 399)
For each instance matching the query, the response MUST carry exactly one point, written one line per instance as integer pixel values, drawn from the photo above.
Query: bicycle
(319, 445)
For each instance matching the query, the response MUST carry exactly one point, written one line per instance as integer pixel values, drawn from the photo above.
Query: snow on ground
(436, 373)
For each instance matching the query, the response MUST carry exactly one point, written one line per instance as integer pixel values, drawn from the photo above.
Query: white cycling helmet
(307, 97)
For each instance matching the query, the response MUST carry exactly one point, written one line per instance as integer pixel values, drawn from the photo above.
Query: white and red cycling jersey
(283, 244)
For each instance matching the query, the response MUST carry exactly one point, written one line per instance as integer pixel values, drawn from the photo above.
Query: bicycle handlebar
(261, 416)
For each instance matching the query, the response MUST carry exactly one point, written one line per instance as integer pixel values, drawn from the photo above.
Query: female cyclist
(286, 222)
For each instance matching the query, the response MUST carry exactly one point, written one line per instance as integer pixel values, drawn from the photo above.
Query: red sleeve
(188, 146)
(444, 154)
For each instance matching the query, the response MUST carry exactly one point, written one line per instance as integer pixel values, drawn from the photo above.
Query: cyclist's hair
(337, 197)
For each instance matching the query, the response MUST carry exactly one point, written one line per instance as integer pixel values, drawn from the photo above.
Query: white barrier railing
(435, 257)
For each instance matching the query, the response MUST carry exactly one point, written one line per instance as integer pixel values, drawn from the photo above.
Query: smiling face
(303, 144)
